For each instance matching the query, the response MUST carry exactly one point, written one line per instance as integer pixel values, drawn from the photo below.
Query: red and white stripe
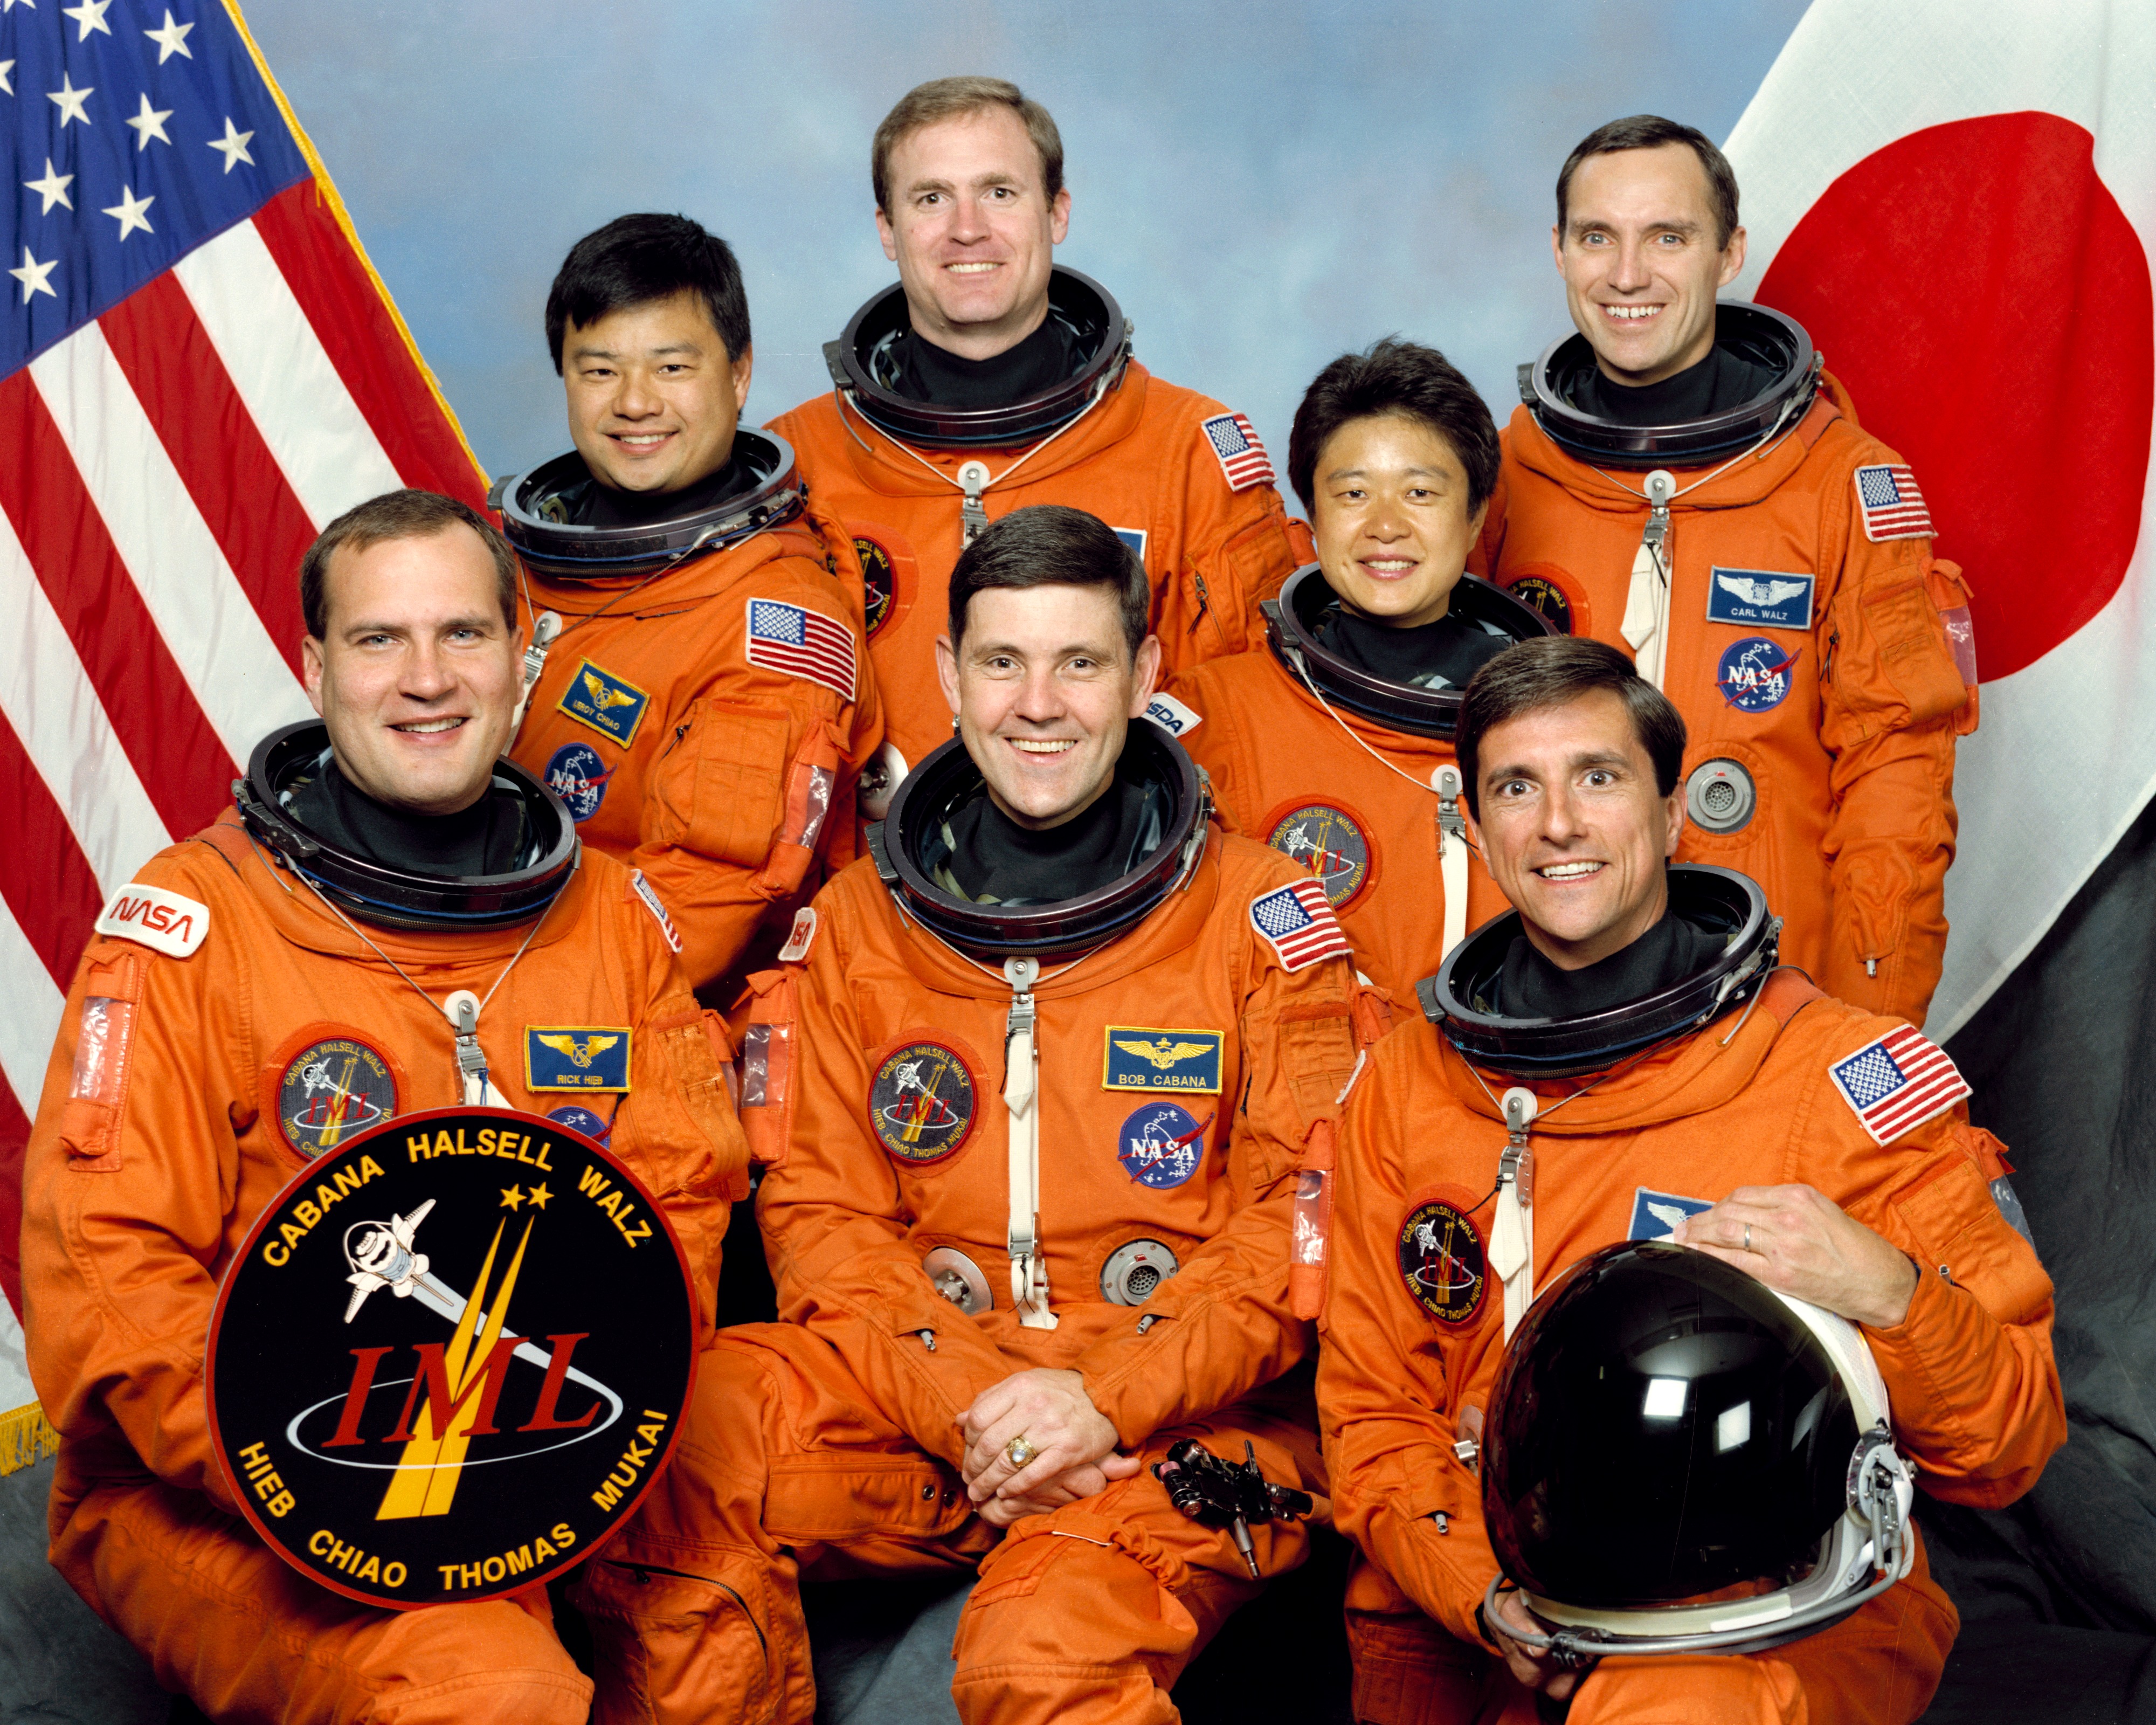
(1931, 1084)
(1908, 519)
(161, 471)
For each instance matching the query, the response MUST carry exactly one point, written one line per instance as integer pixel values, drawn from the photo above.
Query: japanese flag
(1958, 202)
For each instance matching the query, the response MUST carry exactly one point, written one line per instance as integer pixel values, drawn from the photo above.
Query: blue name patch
(579, 1057)
(1654, 1214)
(1760, 598)
(1136, 1058)
(1134, 538)
(603, 700)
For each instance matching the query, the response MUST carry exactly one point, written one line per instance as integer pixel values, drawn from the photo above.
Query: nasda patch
(1442, 1261)
(642, 888)
(800, 937)
(1327, 840)
(164, 921)
(922, 1100)
(1233, 441)
(332, 1088)
(1172, 716)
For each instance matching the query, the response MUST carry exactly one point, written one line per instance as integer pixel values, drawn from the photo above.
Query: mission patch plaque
(451, 1356)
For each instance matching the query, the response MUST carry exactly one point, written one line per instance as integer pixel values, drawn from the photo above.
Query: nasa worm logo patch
(331, 1089)
(922, 1101)
(450, 1357)
(1442, 1261)
(1162, 1145)
(1330, 842)
(1757, 675)
(576, 774)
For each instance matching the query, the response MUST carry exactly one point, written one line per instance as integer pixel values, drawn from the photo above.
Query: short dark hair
(1392, 376)
(635, 259)
(1649, 131)
(1555, 671)
(1050, 545)
(947, 99)
(398, 515)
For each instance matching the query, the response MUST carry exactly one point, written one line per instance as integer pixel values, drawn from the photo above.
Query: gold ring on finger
(1018, 1452)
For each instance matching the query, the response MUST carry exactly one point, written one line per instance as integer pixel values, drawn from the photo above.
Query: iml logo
(164, 921)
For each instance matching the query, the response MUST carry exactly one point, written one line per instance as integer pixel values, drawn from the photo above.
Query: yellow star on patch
(511, 1196)
(539, 1195)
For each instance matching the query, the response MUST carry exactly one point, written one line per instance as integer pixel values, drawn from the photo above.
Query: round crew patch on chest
(1161, 1145)
(1756, 673)
(1550, 592)
(330, 1090)
(922, 1100)
(1442, 1262)
(1328, 841)
(878, 583)
(579, 777)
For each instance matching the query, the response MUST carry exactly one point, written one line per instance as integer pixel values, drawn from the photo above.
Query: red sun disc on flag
(1978, 289)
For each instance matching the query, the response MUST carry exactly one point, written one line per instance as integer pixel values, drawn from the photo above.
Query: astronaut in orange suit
(704, 705)
(1674, 1084)
(1332, 742)
(1035, 1089)
(262, 988)
(1686, 482)
(989, 378)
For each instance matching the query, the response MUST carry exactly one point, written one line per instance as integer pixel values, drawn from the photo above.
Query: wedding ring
(1748, 1236)
(1018, 1452)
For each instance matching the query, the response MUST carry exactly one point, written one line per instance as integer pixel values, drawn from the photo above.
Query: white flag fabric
(1958, 202)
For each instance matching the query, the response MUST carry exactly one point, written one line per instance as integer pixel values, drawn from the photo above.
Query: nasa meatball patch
(1756, 675)
(922, 1100)
(1442, 1261)
(1161, 1145)
(1330, 841)
(450, 1358)
(579, 777)
(583, 1120)
(330, 1088)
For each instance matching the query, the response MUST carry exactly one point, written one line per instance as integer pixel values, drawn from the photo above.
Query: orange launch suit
(154, 1152)
(1140, 460)
(1969, 1373)
(829, 1444)
(1853, 764)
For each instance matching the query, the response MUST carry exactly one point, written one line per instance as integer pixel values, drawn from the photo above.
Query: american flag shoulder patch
(642, 888)
(1298, 924)
(1233, 441)
(1898, 1082)
(1892, 507)
(801, 643)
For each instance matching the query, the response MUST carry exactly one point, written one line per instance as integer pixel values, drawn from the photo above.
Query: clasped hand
(1797, 1240)
(1074, 1447)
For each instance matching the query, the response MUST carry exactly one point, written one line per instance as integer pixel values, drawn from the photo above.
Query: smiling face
(653, 395)
(1390, 518)
(1575, 831)
(1045, 689)
(417, 674)
(972, 231)
(1640, 261)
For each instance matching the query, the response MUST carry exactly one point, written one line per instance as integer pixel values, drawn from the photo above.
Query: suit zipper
(645, 1572)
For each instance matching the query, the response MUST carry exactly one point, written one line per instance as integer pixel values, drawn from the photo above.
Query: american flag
(1243, 458)
(1893, 507)
(801, 643)
(1898, 1082)
(198, 370)
(1298, 922)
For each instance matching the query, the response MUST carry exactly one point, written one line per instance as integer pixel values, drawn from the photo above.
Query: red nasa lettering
(164, 921)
